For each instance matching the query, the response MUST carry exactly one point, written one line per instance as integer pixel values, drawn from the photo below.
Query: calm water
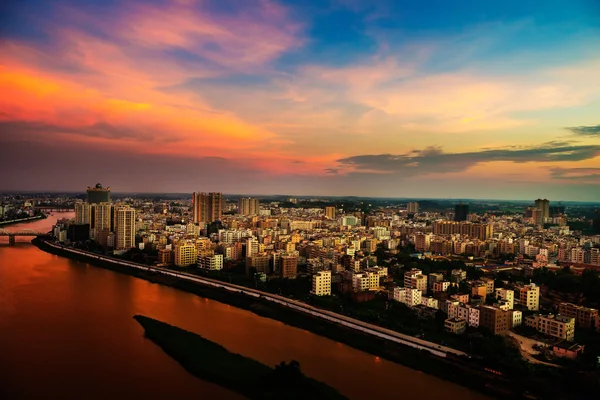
(66, 331)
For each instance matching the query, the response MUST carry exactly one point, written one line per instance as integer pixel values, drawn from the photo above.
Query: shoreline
(18, 221)
(451, 368)
(252, 379)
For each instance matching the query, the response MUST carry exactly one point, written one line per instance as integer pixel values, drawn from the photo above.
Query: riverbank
(464, 372)
(20, 220)
(212, 362)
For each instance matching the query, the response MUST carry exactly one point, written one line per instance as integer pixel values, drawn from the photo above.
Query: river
(66, 331)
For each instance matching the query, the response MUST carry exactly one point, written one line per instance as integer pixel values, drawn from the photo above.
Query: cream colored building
(529, 296)
(125, 228)
(211, 263)
(321, 283)
(185, 254)
(508, 296)
(553, 325)
(83, 212)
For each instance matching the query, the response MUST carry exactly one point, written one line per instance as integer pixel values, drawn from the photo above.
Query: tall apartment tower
(83, 212)
(544, 205)
(125, 227)
(330, 212)
(102, 216)
(98, 194)
(460, 212)
(248, 206)
(412, 207)
(207, 207)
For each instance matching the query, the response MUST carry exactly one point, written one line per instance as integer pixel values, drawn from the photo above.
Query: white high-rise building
(125, 228)
(507, 295)
(321, 283)
(83, 212)
(252, 247)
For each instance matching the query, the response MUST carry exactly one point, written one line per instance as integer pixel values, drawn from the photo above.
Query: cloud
(434, 160)
(576, 174)
(593, 130)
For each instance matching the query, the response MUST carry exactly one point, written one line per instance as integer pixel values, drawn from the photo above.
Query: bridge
(23, 232)
(54, 207)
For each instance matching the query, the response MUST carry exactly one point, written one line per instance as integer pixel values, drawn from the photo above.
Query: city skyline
(325, 98)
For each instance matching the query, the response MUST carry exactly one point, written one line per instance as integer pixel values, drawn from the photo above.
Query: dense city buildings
(480, 272)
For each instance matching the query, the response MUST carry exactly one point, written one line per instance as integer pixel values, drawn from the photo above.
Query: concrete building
(429, 302)
(516, 318)
(125, 227)
(414, 279)
(557, 326)
(455, 325)
(207, 207)
(508, 296)
(441, 286)
(248, 206)
(185, 254)
(321, 283)
(330, 212)
(211, 263)
(434, 277)
(412, 207)
(288, 267)
(83, 212)
(529, 296)
(494, 319)
(410, 297)
(544, 206)
(458, 275)
(261, 262)
(585, 318)
(102, 216)
(98, 194)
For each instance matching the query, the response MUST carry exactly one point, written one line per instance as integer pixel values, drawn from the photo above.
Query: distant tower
(98, 194)
(412, 207)
(544, 205)
(207, 207)
(248, 206)
(460, 212)
(330, 212)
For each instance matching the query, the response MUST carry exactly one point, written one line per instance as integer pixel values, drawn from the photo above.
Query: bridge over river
(21, 232)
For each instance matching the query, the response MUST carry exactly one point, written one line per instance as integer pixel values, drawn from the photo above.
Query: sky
(424, 98)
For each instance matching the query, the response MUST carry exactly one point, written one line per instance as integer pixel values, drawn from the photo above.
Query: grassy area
(214, 363)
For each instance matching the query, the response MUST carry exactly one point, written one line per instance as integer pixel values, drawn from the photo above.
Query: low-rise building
(494, 319)
(557, 326)
(455, 325)
(585, 318)
(321, 283)
(408, 296)
(567, 349)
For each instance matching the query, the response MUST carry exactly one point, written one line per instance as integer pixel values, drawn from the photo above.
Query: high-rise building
(98, 194)
(125, 227)
(558, 326)
(537, 217)
(321, 283)
(248, 206)
(102, 216)
(412, 207)
(460, 212)
(544, 205)
(83, 212)
(207, 207)
(330, 212)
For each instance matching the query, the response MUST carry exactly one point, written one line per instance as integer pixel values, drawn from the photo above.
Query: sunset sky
(461, 99)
